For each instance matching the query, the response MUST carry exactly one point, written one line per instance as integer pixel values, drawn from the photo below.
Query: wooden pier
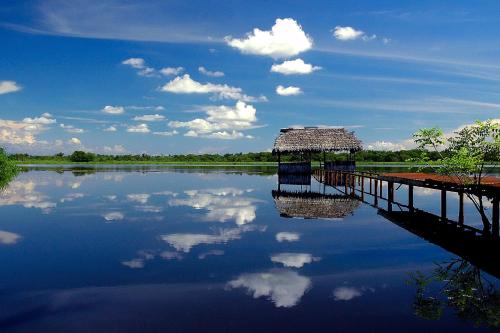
(354, 183)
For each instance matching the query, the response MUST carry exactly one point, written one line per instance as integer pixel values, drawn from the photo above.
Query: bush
(8, 169)
(81, 156)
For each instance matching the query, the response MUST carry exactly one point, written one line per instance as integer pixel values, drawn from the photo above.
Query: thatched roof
(314, 139)
(311, 205)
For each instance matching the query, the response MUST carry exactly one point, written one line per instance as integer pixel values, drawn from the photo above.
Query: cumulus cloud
(113, 109)
(349, 33)
(391, 146)
(110, 129)
(222, 204)
(115, 149)
(186, 85)
(7, 87)
(297, 66)
(285, 39)
(166, 133)
(222, 122)
(184, 242)
(287, 236)
(171, 70)
(141, 128)
(295, 260)
(71, 128)
(150, 117)
(288, 91)
(206, 72)
(74, 141)
(24, 132)
(284, 288)
(140, 65)
(9, 238)
(346, 293)
(346, 33)
(44, 119)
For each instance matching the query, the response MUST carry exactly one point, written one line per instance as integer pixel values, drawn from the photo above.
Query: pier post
(443, 205)
(362, 188)
(370, 185)
(375, 202)
(390, 195)
(461, 208)
(381, 189)
(410, 198)
(494, 218)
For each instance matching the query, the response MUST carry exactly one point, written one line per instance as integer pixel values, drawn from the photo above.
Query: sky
(168, 77)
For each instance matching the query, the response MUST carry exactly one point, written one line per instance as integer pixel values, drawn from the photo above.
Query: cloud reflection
(287, 236)
(284, 288)
(114, 216)
(185, 241)
(222, 204)
(9, 238)
(23, 192)
(296, 260)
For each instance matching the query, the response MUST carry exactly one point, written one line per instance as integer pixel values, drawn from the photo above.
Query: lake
(172, 249)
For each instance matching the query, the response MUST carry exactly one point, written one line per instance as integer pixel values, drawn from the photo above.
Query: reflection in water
(210, 253)
(184, 242)
(346, 293)
(462, 288)
(296, 260)
(8, 238)
(222, 204)
(312, 205)
(287, 236)
(284, 288)
(113, 216)
(23, 192)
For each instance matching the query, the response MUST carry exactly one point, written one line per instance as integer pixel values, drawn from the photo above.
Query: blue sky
(192, 77)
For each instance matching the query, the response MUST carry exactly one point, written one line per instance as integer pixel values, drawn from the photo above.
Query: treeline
(365, 156)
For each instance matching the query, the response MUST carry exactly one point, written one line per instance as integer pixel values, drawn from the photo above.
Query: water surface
(168, 249)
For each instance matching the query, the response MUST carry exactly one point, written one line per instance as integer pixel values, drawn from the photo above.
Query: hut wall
(295, 167)
(340, 166)
(294, 178)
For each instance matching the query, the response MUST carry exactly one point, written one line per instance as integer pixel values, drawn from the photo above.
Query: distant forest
(362, 156)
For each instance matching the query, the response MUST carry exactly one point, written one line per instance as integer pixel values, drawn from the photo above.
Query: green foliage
(81, 156)
(8, 169)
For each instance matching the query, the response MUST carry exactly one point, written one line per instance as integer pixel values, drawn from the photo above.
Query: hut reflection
(299, 201)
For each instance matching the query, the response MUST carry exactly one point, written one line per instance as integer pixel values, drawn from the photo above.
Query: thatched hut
(311, 205)
(308, 140)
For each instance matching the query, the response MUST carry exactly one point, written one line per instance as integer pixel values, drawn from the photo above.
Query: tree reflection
(460, 286)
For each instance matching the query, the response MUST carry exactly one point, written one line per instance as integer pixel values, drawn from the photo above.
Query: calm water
(206, 250)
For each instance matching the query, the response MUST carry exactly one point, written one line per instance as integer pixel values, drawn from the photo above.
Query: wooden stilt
(381, 189)
(461, 208)
(375, 202)
(362, 188)
(494, 220)
(370, 185)
(410, 198)
(443, 205)
(390, 195)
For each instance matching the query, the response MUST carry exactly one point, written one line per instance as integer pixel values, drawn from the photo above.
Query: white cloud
(113, 109)
(171, 70)
(222, 122)
(110, 129)
(74, 141)
(185, 85)
(285, 39)
(150, 117)
(288, 91)
(45, 119)
(206, 72)
(296, 260)
(7, 87)
(346, 33)
(287, 236)
(116, 149)
(137, 63)
(297, 66)
(141, 128)
(284, 288)
(71, 128)
(166, 133)
(346, 293)
(391, 146)
(9, 238)
(113, 216)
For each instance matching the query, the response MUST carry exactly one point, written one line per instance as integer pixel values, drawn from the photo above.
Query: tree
(8, 169)
(463, 156)
(81, 156)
